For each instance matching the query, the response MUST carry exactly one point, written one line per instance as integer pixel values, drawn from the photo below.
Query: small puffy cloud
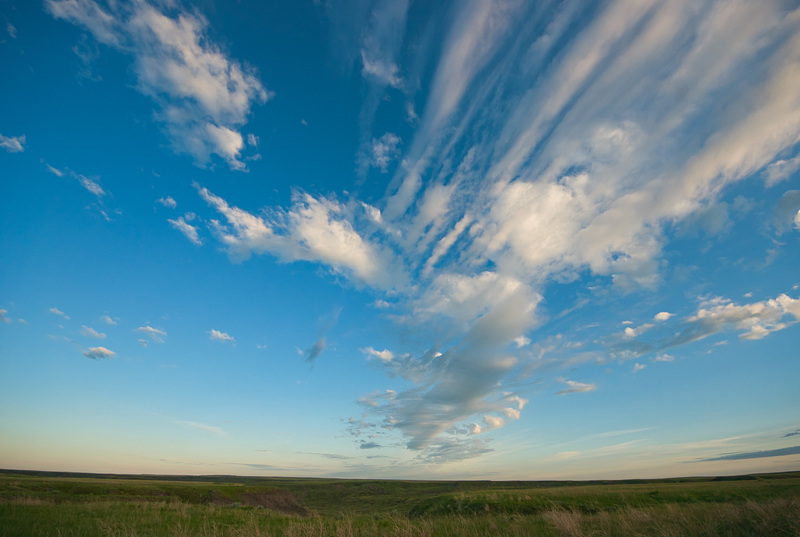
(143, 343)
(522, 341)
(492, 422)
(98, 352)
(576, 387)
(188, 230)
(13, 144)
(631, 332)
(663, 316)
(222, 337)
(91, 186)
(384, 150)
(384, 355)
(4, 316)
(168, 202)
(108, 320)
(638, 367)
(664, 358)
(12, 30)
(91, 332)
(57, 311)
(155, 334)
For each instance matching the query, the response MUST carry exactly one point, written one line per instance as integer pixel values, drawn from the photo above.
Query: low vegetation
(45, 504)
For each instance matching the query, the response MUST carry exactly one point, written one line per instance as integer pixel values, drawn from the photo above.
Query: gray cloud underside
(795, 450)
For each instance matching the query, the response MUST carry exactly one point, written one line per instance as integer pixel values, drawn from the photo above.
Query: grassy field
(36, 503)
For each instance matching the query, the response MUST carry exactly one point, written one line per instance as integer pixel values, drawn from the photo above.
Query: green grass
(35, 503)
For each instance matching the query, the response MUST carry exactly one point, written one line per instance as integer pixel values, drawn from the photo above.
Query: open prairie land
(35, 503)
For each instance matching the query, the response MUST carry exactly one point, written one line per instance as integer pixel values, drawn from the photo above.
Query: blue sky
(480, 239)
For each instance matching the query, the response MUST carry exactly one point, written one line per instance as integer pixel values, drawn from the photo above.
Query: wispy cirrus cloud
(91, 332)
(13, 144)
(189, 231)
(155, 334)
(57, 311)
(573, 386)
(198, 426)
(202, 96)
(780, 452)
(92, 186)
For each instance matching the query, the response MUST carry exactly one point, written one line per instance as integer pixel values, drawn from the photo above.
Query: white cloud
(753, 321)
(386, 73)
(168, 202)
(492, 422)
(91, 186)
(59, 312)
(222, 337)
(781, 170)
(12, 31)
(108, 320)
(381, 41)
(4, 316)
(188, 230)
(663, 316)
(638, 367)
(384, 151)
(98, 352)
(312, 230)
(664, 358)
(576, 387)
(202, 96)
(91, 332)
(522, 341)
(13, 144)
(384, 355)
(54, 171)
(155, 334)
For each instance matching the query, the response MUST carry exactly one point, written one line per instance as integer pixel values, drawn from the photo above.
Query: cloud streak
(781, 452)
(202, 96)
